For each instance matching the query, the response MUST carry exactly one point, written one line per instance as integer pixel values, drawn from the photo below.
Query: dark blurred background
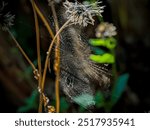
(132, 19)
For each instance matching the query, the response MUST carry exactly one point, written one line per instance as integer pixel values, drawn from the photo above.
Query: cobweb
(79, 76)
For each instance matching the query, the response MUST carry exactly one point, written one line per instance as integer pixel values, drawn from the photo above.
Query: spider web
(79, 76)
(78, 72)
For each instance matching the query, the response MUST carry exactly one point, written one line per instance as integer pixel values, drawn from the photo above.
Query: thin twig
(22, 51)
(44, 20)
(38, 52)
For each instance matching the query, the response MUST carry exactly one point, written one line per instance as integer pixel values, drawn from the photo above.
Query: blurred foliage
(104, 53)
(31, 103)
(64, 105)
(106, 58)
(109, 43)
(99, 99)
(119, 87)
(100, 55)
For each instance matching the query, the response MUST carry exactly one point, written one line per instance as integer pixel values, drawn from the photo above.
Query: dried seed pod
(51, 109)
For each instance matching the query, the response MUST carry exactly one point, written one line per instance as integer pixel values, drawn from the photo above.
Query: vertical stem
(43, 20)
(38, 51)
(57, 59)
(51, 45)
(40, 14)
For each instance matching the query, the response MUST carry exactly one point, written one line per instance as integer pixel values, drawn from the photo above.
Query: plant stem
(49, 52)
(22, 51)
(57, 59)
(38, 51)
(46, 61)
(43, 20)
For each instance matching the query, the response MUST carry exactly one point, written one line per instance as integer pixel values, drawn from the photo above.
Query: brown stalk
(57, 59)
(49, 52)
(52, 36)
(22, 51)
(43, 20)
(38, 52)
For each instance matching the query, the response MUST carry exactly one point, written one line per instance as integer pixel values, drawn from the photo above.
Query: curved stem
(48, 54)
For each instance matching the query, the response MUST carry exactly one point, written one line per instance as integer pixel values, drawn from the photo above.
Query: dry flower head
(82, 14)
(6, 19)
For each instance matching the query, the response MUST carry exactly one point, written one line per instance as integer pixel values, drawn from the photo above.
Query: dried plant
(6, 18)
(82, 14)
